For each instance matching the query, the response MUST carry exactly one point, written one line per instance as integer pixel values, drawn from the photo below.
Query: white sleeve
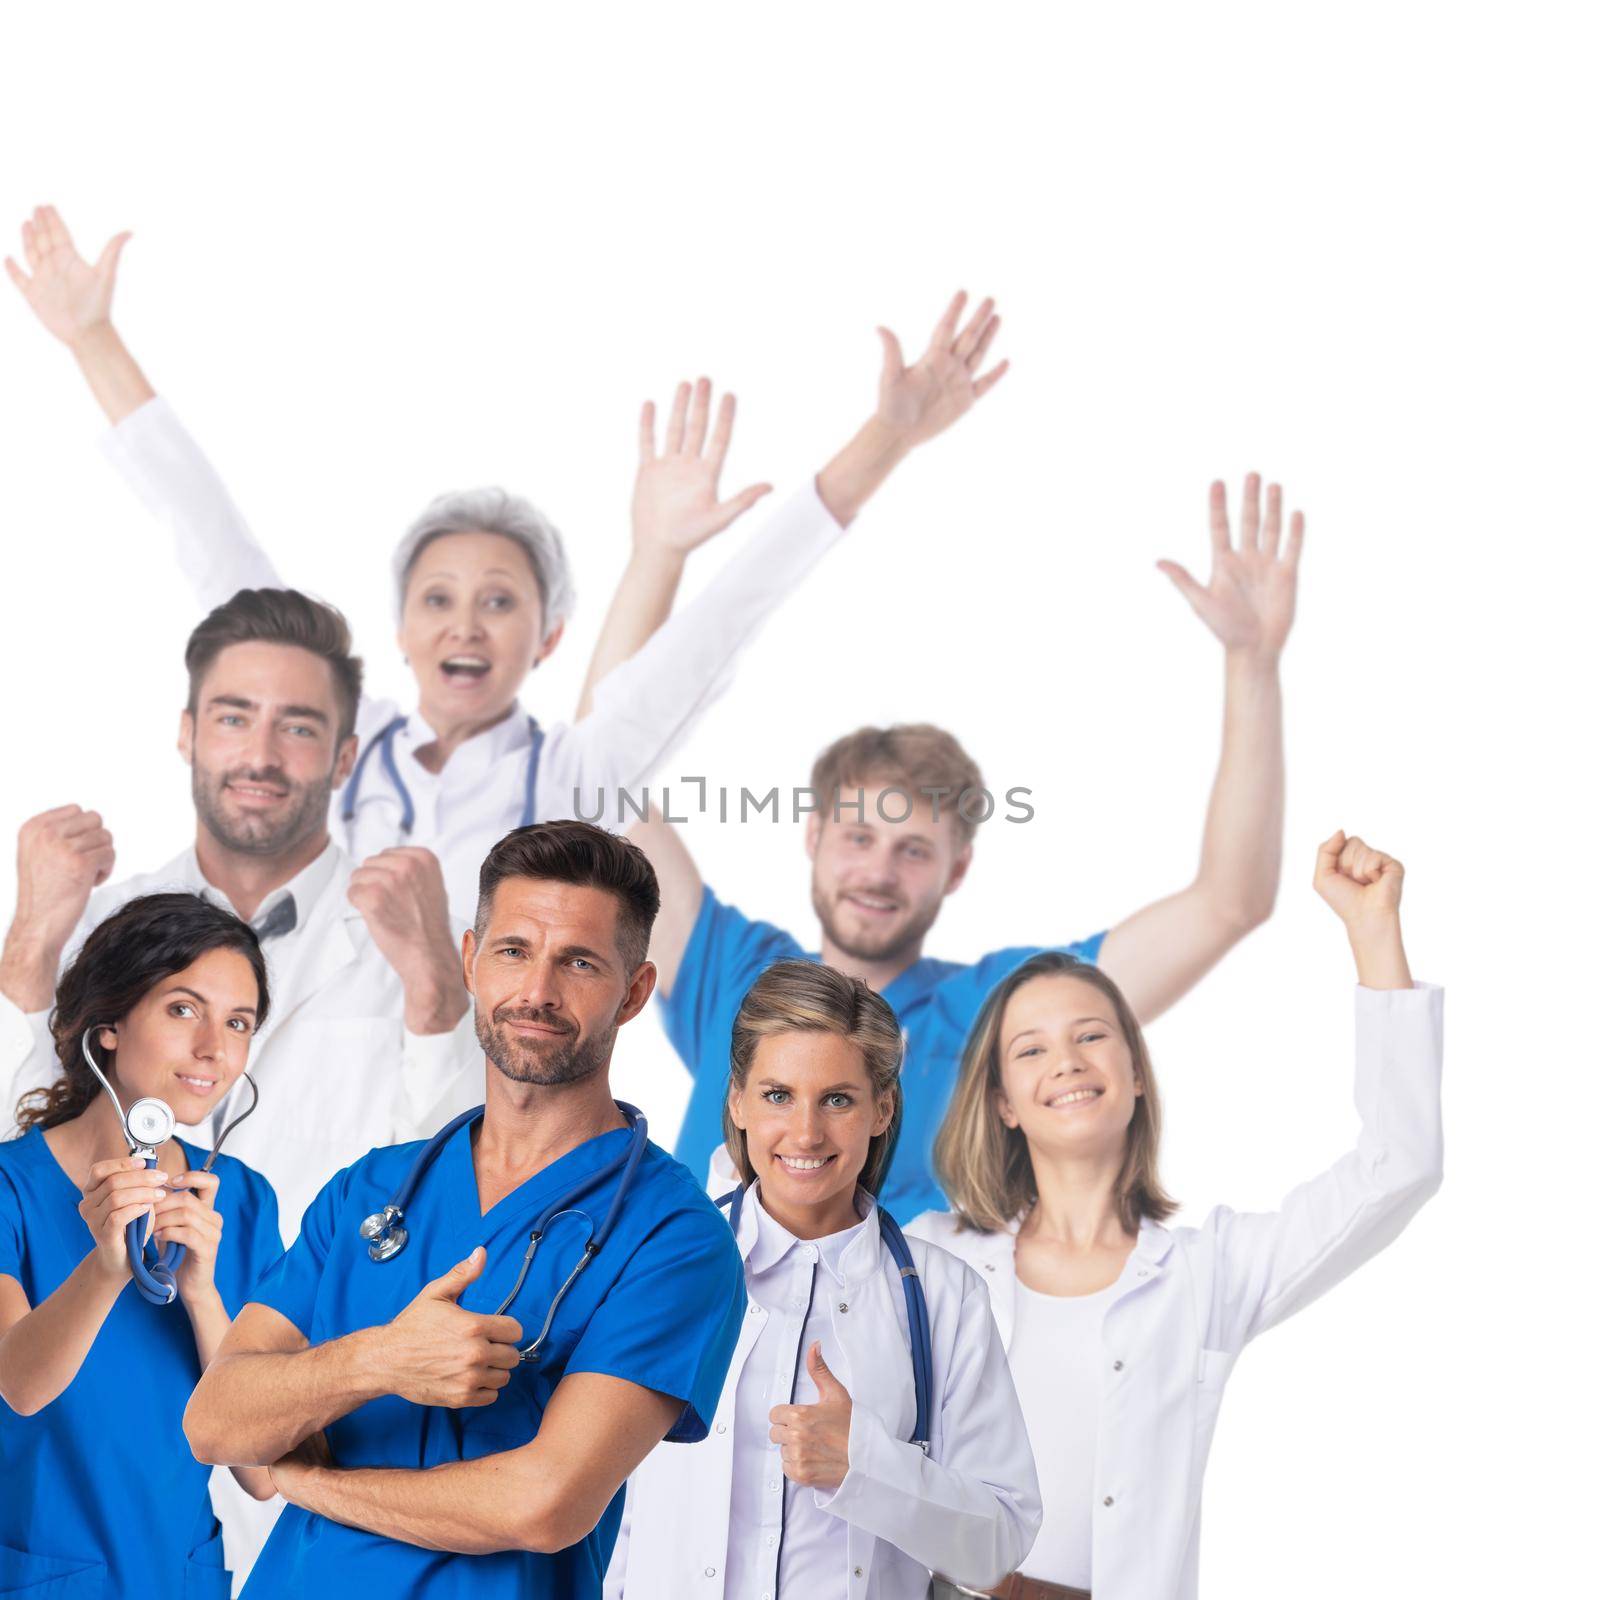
(26, 1043)
(1273, 1264)
(163, 465)
(970, 1509)
(646, 706)
(441, 1075)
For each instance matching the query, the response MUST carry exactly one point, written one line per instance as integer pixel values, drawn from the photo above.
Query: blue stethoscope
(147, 1125)
(916, 1310)
(383, 741)
(386, 1233)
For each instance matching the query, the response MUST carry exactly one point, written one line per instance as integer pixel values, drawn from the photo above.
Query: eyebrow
(242, 703)
(194, 994)
(1077, 1022)
(832, 1088)
(488, 572)
(515, 941)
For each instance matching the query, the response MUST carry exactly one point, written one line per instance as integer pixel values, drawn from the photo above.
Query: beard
(885, 944)
(567, 1059)
(253, 833)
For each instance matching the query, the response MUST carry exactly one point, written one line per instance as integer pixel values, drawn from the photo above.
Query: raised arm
(675, 508)
(216, 551)
(269, 1389)
(1273, 1264)
(543, 1496)
(1158, 954)
(681, 890)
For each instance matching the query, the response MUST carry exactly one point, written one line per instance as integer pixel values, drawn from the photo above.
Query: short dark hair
(578, 853)
(149, 939)
(279, 616)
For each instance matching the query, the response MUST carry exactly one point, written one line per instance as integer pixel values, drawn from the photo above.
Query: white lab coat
(968, 1509)
(1192, 1298)
(643, 709)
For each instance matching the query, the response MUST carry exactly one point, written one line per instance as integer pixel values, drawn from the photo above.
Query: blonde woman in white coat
(810, 1482)
(1122, 1332)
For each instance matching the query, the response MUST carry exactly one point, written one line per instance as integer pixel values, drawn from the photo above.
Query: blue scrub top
(936, 1001)
(660, 1306)
(101, 1494)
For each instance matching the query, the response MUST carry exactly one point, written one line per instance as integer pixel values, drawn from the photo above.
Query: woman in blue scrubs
(102, 1495)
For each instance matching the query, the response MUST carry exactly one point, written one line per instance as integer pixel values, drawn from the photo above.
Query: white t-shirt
(1056, 1361)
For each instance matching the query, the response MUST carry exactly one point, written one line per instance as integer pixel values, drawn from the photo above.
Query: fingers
(452, 1283)
(106, 266)
(1188, 587)
(504, 1358)
(647, 432)
(202, 1185)
(722, 435)
(103, 1169)
(1297, 536)
(731, 510)
(699, 415)
(1218, 508)
(981, 349)
(894, 359)
(32, 244)
(1250, 513)
(673, 442)
(1328, 853)
(828, 1386)
(966, 342)
(1273, 526)
(990, 379)
(55, 230)
(18, 277)
(944, 330)
(500, 1330)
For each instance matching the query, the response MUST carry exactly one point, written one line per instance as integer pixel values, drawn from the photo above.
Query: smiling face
(549, 983)
(1067, 1077)
(877, 886)
(472, 627)
(188, 1038)
(808, 1115)
(263, 741)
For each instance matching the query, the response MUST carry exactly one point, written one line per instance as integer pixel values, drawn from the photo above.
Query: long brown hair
(985, 1168)
(134, 949)
(807, 997)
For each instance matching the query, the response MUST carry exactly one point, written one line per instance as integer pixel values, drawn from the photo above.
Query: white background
(381, 251)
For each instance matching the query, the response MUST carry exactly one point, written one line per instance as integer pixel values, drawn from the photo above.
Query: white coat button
(844, 1305)
(988, 1266)
(722, 1427)
(1116, 1366)
(809, 1253)
(711, 1572)
(1109, 1501)
(858, 1572)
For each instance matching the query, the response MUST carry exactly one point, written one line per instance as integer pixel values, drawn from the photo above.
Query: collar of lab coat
(858, 1260)
(472, 757)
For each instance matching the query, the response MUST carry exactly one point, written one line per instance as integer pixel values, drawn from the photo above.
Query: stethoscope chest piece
(150, 1122)
(385, 1234)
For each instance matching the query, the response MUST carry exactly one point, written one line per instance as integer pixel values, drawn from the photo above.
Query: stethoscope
(147, 1125)
(383, 741)
(916, 1310)
(386, 1233)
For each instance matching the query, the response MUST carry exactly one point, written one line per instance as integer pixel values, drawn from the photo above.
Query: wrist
(1252, 661)
(435, 998)
(94, 339)
(656, 560)
(199, 1297)
(28, 963)
(883, 443)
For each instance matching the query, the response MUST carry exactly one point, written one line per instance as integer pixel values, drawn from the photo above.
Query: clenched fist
(1363, 886)
(401, 896)
(815, 1439)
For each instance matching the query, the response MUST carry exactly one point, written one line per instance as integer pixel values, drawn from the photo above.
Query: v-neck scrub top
(660, 1305)
(936, 1003)
(99, 1492)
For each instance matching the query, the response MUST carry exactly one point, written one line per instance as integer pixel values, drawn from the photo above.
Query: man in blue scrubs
(419, 1454)
(891, 836)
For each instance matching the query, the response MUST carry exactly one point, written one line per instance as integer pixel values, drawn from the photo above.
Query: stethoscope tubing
(383, 742)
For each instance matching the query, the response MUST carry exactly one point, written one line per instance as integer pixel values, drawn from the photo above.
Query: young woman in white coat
(1122, 1332)
(813, 1480)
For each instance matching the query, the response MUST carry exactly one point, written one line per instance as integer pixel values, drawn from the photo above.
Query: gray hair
(493, 511)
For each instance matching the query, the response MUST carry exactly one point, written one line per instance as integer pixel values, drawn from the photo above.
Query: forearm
(253, 1407)
(209, 1322)
(641, 603)
(1241, 854)
(859, 470)
(435, 997)
(41, 1353)
(113, 376)
(1380, 954)
(464, 1507)
(28, 964)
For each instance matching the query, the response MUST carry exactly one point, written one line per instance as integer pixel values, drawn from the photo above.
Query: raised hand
(1363, 886)
(815, 1439)
(675, 504)
(438, 1354)
(401, 896)
(120, 1191)
(68, 295)
(189, 1216)
(63, 855)
(1249, 601)
(918, 401)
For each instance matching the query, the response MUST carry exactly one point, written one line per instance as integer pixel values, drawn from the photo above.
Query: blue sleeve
(671, 1320)
(11, 1247)
(961, 998)
(290, 1283)
(725, 954)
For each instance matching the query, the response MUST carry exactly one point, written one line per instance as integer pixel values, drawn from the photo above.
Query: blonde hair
(807, 997)
(985, 1168)
(914, 756)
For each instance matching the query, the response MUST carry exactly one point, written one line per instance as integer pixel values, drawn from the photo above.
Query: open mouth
(254, 793)
(1072, 1097)
(874, 905)
(805, 1166)
(196, 1085)
(465, 669)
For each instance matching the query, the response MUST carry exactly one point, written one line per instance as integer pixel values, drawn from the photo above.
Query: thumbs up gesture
(439, 1354)
(815, 1439)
